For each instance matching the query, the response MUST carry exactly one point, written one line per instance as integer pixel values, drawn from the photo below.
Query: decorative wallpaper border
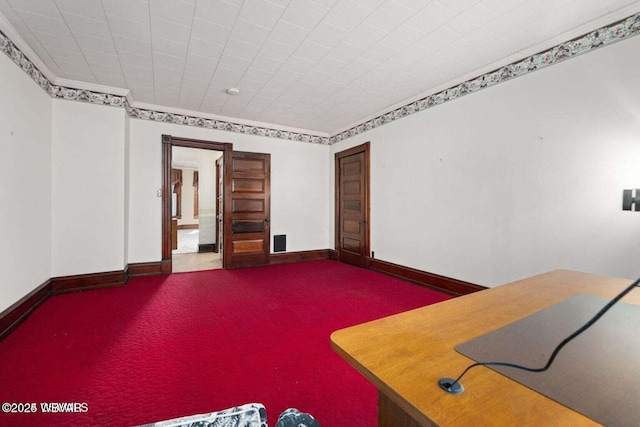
(160, 116)
(100, 98)
(603, 36)
(7, 46)
(585, 43)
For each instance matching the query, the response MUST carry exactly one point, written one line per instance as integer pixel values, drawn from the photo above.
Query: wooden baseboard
(21, 309)
(16, 313)
(144, 269)
(165, 266)
(88, 281)
(288, 257)
(441, 283)
(207, 247)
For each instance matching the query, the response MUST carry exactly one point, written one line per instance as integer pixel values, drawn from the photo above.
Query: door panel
(352, 205)
(351, 226)
(352, 188)
(250, 209)
(248, 206)
(248, 185)
(351, 245)
(241, 227)
(248, 246)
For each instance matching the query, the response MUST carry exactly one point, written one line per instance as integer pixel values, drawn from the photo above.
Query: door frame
(363, 148)
(168, 142)
(218, 247)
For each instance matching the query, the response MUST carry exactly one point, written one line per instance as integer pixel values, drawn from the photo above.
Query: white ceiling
(317, 65)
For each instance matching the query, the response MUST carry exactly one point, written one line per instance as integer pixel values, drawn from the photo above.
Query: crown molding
(91, 87)
(19, 51)
(227, 119)
(578, 32)
(73, 90)
(588, 42)
(230, 126)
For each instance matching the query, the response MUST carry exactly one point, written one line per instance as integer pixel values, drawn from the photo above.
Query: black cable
(559, 347)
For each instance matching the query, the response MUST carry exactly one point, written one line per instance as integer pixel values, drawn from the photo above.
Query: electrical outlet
(159, 192)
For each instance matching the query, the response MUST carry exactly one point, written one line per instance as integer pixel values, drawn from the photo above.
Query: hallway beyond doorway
(183, 263)
(187, 258)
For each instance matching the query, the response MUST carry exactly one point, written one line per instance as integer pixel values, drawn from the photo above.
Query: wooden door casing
(245, 182)
(249, 209)
(352, 205)
(219, 246)
(168, 142)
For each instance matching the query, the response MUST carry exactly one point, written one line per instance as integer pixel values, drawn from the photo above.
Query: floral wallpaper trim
(160, 116)
(7, 46)
(593, 40)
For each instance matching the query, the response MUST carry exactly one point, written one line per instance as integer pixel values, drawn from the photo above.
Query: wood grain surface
(405, 355)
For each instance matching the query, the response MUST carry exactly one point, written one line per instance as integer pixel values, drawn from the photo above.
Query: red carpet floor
(169, 346)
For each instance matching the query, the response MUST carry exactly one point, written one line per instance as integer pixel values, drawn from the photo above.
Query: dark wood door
(352, 205)
(219, 246)
(249, 209)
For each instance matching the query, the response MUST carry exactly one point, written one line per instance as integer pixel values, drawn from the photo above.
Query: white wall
(25, 190)
(207, 196)
(187, 198)
(88, 182)
(127, 180)
(517, 179)
(300, 192)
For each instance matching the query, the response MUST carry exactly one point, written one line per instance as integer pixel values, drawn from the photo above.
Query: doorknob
(266, 220)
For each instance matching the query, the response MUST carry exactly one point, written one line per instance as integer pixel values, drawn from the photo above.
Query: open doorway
(244, 233)
(178, 200)
(195, 196)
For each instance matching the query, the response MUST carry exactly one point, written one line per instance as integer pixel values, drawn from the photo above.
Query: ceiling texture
(318, 67)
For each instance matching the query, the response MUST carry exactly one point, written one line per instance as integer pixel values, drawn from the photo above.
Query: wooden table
(405, 355)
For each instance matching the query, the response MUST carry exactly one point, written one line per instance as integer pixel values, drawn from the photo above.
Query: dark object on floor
(294, 418)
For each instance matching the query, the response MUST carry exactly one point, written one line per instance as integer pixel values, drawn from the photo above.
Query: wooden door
(352, 205)
(219, 246)
(249, 210)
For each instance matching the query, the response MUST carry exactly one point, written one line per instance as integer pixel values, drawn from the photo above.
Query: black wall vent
(280, 243)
